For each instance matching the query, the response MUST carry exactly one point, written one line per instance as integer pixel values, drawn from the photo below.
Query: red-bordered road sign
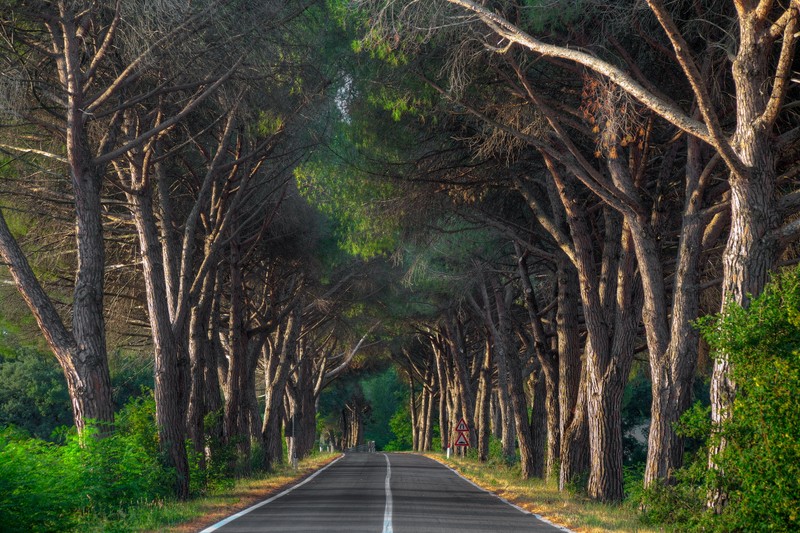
(461, 440)
(462, 426)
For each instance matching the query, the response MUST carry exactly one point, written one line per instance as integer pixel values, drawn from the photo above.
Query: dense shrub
(51, 487)
(400, 424)
(761, 463)
(760, 467)
(33, 394)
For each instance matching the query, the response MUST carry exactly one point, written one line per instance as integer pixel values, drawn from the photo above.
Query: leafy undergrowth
(543, 498)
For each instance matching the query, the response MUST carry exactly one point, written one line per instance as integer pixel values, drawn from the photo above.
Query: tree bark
(484, 400)
(571, 383)
(519, 404)
(672, 371)
(278, 366)
(752, 248)
(539, 423)
(548, 360)
(170, 417)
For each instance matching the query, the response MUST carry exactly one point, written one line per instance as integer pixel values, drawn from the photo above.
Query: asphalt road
(383, 493)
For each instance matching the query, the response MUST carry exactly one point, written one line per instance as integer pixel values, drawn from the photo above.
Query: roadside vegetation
(234, 232)
(118, 483)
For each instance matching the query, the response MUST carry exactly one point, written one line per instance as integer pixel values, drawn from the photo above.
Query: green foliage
(52, 487)
(269, 123)
(131, 375)
(385, 393)
(33, 392)
(544, 15)
(443, 266)
(679, 506)
(353, 201)
(379, 48)
(636, 400)
(759, 469)
(33, 395)
(495, 456)
(761, 463)
(400, 424)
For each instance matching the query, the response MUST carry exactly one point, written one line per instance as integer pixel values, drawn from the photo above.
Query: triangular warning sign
(462, 426)
(462, 440)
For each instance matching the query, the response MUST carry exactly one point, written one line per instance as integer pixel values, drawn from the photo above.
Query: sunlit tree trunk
(484, 400)
(278, 366)
(519, 404)
(571, 383)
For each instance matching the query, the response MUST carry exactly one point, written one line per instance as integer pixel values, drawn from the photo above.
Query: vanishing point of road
(383, 493)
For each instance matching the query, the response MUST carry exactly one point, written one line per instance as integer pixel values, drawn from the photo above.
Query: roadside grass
(565, 509)
(198, 513)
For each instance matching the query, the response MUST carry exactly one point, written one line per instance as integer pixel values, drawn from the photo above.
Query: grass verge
(543, 498)
(198, 513)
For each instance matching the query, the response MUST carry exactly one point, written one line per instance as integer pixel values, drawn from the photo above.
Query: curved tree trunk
(753, 245)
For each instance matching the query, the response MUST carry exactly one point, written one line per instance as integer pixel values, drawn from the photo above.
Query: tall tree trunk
(604, 367)
(441, 377)
(170, 418)
(548, 360)
(428, 434)
(278, 367)
(539, 424)
(412, 409)
(484, 400)
(90, 382)
(504, 402)
(199, 347)
(462, 382)
(672, 371)
(572, 420)
(519, 403)
(236, 431)
(753, 245)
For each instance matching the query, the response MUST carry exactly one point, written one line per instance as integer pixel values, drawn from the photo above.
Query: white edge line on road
(387, 512)
(231, 518)
(517, 507)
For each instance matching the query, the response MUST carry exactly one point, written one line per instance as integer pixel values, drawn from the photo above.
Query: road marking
(517, 507)
(231, 518)
(387, 512)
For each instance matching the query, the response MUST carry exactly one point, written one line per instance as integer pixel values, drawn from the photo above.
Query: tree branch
(668, 111)
(782, 73)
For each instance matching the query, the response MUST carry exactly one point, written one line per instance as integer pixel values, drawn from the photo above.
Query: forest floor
(543, 498)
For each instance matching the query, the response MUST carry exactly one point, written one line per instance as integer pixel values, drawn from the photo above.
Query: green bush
(761, 463)
(51, 487)
(37, 490)
(680, 505)
(33, 394)
(400, 424)
(759, 469)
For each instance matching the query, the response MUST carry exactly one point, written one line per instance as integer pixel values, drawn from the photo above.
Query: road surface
(383, 493)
